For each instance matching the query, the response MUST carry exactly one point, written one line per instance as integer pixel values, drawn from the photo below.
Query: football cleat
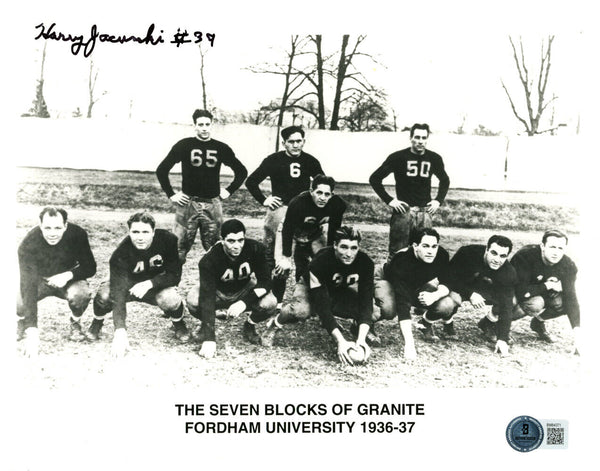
(488, 329)
(426, 329)
(249, 333)
(181, 331)
(75, 332)
(268, 336)
(539, 328)
(450, 331)
(93, 333)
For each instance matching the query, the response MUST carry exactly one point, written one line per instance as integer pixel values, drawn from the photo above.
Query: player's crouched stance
(339, 283)
(234, 275)
(417, 276)
(145, 267)
(546, 284)
(54, 260)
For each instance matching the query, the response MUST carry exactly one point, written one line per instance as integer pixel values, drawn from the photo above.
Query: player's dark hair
(232, 226)
(424, 126)
(142, 216)
(501, 241)
(202, 114)
(347, 232)
(287, 132)
(321, 179)
(53, 211)
(416, 235)
(554, 233)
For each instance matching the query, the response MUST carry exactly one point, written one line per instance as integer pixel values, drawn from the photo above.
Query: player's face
(418, 141)
(495, 256)
(321, 195)
(553, 250)
(293, 145)
(53, 228)
(202, 127)
(427, 249)
(346, 250)
(141, 235)
(234, 243)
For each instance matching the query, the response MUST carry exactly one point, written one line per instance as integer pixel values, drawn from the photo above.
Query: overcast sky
(438, 63)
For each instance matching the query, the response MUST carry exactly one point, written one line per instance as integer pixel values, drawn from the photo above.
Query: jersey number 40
(244, 272)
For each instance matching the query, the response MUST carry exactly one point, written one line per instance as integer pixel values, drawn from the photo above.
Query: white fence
(542, 163)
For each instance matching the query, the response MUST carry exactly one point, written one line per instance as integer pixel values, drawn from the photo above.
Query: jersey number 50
(412, 168)
(196, 158)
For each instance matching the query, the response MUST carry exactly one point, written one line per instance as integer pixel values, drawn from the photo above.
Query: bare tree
(367, 113)
(92, 98)
(202, 79)
(534, 87)
(38, 106)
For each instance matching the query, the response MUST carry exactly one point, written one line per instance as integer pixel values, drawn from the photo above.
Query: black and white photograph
(306, 234)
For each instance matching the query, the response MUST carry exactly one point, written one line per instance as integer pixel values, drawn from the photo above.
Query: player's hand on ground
(362, 343)
(501, 348)
(272, 202)
(140, 289)
(342, 351)
(283, 266)
(432, 206)
(60, 280)
(236, 309)
(180, 198)
(426, 298)
(31, 343)
(120, 343)
(398, 206)
(477, 300)
(208, 349)
(224, 194)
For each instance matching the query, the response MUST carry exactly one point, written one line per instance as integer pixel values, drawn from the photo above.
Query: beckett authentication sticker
(524, 433)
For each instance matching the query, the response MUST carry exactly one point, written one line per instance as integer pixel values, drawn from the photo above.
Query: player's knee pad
(297, 310)
(533, 306)
(79, 294)
(268, 303)
(443, 308)
(191, 301)
(387, 309)
(168, 299)
(555, 302)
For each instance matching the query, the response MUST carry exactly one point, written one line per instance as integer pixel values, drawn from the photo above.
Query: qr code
(556, 436)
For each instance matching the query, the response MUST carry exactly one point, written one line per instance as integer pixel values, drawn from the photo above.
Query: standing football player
(199, 201)
(483, 275)
(290, 172)
(412, 208)
(339, 283)
(145, 267)
(234, 274)
(417, 276)
(55, 259)
(546, 284)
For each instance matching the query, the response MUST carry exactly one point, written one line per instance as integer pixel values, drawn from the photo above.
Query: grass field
(303, 355)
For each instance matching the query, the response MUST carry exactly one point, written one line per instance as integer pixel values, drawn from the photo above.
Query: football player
(412, 208)
(55, 259)
(145, 267)
(546, 284)
(198, 204)
(234, 274)
(483, 275)
(417, 276)
(290, 171)
(339, 283)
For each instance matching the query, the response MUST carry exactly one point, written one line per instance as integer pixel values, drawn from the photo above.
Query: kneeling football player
(234, 274)
(417, 276)
(483, 275)
(54, 260)
(339, 283)
(145, 267)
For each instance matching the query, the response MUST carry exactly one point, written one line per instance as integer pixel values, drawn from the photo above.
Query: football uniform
(129, 266)
(224, 281)
(39, 260)
(200, 174)
(469, 273)
(400, 281)
(310, 227)
(289, 177)
(532, 294)
(412, 173)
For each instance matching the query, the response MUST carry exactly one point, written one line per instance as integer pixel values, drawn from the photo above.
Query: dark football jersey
(329, 278)
(129, 266)
(218, 272)
(469, 273)
(532, 273)
(289, 175)
(200, 167)
(412, 173)
(407, 274)
(39, 260)
(304, 220)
